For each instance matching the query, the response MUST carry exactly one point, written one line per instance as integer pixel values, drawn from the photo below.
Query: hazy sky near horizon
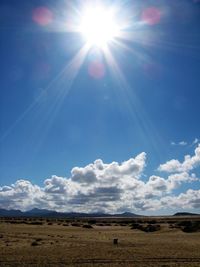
(89, 128)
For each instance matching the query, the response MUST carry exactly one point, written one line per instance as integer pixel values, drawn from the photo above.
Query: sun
(99, 26)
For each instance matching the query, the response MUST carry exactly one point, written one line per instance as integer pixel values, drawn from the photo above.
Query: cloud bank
(113, 187)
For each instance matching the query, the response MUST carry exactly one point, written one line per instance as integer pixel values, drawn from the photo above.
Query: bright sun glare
(98, 25)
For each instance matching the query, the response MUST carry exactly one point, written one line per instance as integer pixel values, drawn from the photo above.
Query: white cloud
(187, 165)
(181, 143)
(105, 187)
(184, 143)
(21, 195)
(188, 200)
(196, 141)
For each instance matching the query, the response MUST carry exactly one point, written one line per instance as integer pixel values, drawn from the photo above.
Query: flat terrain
(61, 244)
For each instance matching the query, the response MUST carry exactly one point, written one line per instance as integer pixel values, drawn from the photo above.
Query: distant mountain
(185, 214)
(39, 212)
(9, 213)
(54, 214)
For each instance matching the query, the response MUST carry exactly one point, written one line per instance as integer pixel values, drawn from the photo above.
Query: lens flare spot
(96, 69)
(42, 16)
(151, 15)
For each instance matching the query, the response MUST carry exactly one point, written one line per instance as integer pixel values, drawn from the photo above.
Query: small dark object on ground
(115, 241)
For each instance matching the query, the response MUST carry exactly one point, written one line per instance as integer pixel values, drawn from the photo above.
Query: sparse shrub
(100, 224)
(34, 243)
(76, 224)
(92, 222)
(172, 226)
(49, 223)
(1, 236)
(152, 222)
(65, 224)
(152, 228)
(88, 226)
(125, 222)
(24, 222)
(184, 223)
(135, 226)
(139, 221)
(191, 227)
(36, 223)
(12, 222)
(148, 228)
(38, 239)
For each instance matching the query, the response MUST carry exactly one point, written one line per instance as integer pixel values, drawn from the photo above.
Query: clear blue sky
(53, 119)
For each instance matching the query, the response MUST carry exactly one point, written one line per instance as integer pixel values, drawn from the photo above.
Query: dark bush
(36, 223)
(65, 224)
(92, 222)
(148, 228)
(76, 224)
(100, 224)
(191, 227)
(88, 226)
(184, 223)
(152, 228)
(107, 224)
(135, 226)
(34, 243)
(152, 222)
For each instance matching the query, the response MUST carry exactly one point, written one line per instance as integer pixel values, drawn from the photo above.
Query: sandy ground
(58, 245)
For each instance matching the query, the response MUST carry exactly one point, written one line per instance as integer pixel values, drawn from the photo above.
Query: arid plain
(89, 242)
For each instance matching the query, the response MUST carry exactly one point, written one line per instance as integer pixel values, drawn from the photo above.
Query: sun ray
(133, 105)
(63, 82)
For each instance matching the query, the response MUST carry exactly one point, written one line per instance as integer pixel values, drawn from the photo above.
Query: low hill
(185, 214)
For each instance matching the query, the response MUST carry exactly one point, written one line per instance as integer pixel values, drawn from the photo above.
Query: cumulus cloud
(187, 165)
(107, 187)
(21, 195)
(188, 200)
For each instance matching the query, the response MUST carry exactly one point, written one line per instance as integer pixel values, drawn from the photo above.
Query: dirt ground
(66, 245)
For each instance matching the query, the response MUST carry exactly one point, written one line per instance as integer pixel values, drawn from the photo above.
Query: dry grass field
(58, 243)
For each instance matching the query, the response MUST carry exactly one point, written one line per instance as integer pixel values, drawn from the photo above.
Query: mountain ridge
(35, 212)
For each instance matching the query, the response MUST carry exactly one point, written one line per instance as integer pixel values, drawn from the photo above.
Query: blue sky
(55, 116)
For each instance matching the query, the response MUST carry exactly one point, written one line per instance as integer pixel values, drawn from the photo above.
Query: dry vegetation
(89, 242)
